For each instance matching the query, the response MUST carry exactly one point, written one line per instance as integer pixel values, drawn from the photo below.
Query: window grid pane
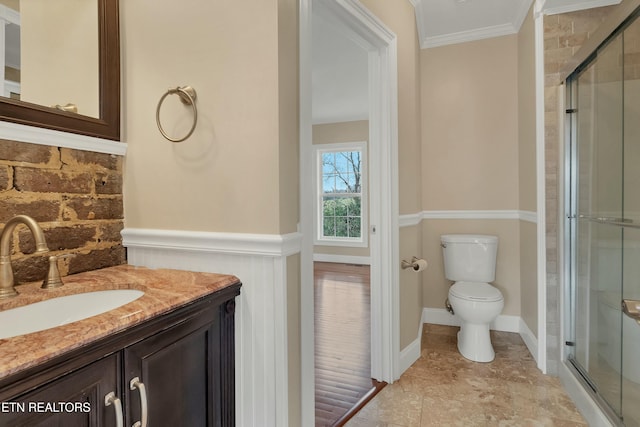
(341, 198)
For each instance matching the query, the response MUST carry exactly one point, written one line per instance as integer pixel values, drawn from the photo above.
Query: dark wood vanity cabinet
(75, 400)
(184, 361)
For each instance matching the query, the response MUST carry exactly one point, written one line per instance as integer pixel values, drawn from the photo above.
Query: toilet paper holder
(417, 264)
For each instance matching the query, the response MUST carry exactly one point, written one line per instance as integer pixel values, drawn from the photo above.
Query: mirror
(60, 65)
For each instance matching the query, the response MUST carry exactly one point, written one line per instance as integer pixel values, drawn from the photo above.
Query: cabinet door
(177, 369)
(74, 400)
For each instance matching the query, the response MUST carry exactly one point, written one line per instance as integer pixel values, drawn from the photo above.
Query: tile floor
(444, 389)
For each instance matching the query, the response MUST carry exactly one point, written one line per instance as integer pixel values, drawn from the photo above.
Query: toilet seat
(474, 291)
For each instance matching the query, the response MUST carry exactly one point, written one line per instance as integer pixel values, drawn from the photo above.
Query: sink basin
(62, 310)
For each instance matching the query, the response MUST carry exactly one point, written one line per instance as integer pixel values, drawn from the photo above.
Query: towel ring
(187, 95)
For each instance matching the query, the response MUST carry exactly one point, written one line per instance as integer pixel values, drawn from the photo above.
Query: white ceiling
(339, 80)
(340, 85)
(443, 22)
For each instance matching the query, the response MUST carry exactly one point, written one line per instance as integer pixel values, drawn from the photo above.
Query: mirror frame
(108, 124)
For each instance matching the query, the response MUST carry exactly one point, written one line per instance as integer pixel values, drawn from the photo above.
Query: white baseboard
(529, 339)
(504, 323)
(440, 316)
(411, 353)
(344, 259)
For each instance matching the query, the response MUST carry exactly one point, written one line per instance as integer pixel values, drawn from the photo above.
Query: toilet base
(474, 342)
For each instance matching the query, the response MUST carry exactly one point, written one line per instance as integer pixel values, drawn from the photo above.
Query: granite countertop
(164, 290)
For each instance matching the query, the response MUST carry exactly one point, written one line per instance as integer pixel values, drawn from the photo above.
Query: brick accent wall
(75, 196)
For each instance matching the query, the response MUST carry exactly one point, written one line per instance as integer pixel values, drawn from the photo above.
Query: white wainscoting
(259, 261)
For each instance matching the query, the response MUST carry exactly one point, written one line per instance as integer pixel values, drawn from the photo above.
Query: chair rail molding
(409, 220)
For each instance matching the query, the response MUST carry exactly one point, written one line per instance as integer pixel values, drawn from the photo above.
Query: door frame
(369, 32)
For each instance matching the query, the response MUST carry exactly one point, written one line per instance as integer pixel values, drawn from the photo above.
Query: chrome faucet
(6, 271)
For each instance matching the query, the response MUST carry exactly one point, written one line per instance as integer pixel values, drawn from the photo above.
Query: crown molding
(575, 6)
(470, 35)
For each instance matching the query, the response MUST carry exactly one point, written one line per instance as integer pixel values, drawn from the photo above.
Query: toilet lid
(475, 291)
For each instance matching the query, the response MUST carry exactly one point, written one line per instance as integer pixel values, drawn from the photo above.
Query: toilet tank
(469, 257)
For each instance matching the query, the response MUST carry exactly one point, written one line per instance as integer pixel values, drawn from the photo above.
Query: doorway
(366, 30)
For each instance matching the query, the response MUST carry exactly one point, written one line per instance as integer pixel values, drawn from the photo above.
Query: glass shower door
(598, 204)
(631, 235)
(604, 343)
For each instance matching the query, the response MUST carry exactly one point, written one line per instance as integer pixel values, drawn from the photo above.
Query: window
(341, 201)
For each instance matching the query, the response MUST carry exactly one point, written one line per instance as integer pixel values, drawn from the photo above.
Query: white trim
(469, 35)
(578, 5)
(307, 335)
(481, 214)
(540, 185)
(203, 241)
(9, 15)
(415, 219)
(529, 339)
(410, 220)
(54, 138)
(370, 33)
(440, 316)
(504, 323)
(346, 259)
(411, 353)
(262, 369)
(354, 242)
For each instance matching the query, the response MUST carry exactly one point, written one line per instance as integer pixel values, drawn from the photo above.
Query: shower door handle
(631, 308)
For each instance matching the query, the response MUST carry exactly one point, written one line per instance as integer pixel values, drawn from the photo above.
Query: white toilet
(470, 261)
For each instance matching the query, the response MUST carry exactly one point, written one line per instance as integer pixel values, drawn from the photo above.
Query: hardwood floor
(342, 340)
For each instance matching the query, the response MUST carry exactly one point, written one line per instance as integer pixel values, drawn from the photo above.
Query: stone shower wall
(564, 34)
(75, 196)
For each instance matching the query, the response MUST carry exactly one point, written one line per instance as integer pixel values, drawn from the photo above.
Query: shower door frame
(570, 209)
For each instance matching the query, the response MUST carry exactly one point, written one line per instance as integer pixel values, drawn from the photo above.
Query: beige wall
(238, 172)
(527, 173)
(59, 55)
(410, 285)
(470, 123)
(332, 133)
(470, 154)
(400, 18)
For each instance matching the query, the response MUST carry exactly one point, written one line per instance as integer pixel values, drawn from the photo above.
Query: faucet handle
(53, 279)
